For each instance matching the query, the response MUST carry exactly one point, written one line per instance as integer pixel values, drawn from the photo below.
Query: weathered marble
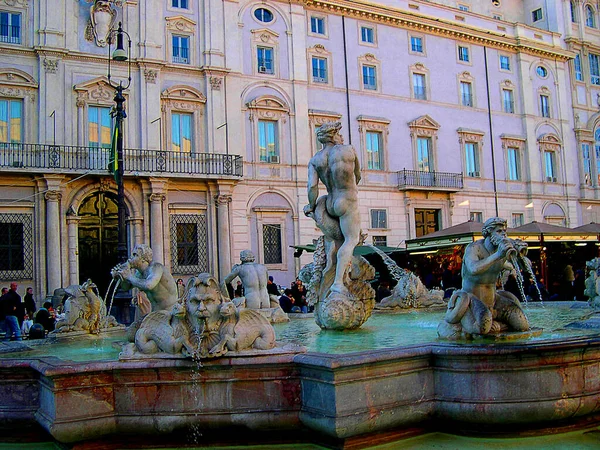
(592, 283)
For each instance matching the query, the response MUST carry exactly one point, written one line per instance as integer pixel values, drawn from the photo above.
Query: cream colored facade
(247, 84)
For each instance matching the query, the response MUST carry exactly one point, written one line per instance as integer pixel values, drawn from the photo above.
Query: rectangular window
(463, 53)
(424, 154)
(573, 14)
(518, 219)
(497, 16)
(476, 216)
(181, 49)
(598, 162)
(514, 165)
(378, 218)
(508, 100)
(99, 127)
(319, 70)
(12, 255)
(466, 93)
(463, 7)
(181, 133)
(265, 59)
(472, 159)
(577, 67)
(11, 121)
(317, 25)
(419, 91)
(183, 4)
(374, 150)
(504, 62)
(189, 243)
(544, 106)
(550, 168)
(380, 241)
(272, 244)
(268, 147)
(536, 15)
(10, 28)
(369, 77)
(367, 35)
(586, 158)
(416, 44)
(594, 69)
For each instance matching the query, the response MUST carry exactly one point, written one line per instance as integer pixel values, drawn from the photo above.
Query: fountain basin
(494, 386)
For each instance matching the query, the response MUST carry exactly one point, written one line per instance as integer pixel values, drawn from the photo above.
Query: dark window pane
(272, 244)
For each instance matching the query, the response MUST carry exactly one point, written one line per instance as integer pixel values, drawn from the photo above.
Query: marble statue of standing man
(254, 277)
(336, 214)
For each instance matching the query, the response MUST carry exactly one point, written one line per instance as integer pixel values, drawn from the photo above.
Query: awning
(536, 231)
(463, 233)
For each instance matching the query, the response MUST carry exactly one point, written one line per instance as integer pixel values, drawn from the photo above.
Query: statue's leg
(351, 231)
(478, 318)
(508, 310)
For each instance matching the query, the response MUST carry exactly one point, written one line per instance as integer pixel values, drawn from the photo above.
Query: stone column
(224, 235)
(53, 265)
(73, 237)
(156, 227)
(135, 224)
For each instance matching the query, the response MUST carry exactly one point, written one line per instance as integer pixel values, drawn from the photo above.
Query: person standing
(11, 303)
(29, 303)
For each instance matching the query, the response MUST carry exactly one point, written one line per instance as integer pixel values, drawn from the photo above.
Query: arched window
(590, 19)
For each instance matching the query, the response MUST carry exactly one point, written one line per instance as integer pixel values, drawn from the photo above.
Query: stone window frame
(316, 118)
(263, 37)
(466, 77)
(518, 142)
(175, 9)
(550, 142)
(26, 218)
(465, 136)
(270, 9)
(319, 51)
(507, 85)
(387, 221)
(544, 91)
(18, 7)
(180, 26)
(512, 218)
(476, 216)
(94, 92)
(373, 26)
(276, 215)
(420, 69)
(424, 126)
(268, 107)
(582, 137)
(309, 32)
(369, 59)
(18, 85)
(374, 124)
(187, 215)
(588, 6)
(510, 62)
(541, 17)
(183, 99)
(423, 42)
(469, 51)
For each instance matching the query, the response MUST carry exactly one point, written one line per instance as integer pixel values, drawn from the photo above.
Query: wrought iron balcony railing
(417, 179)
(15, 156)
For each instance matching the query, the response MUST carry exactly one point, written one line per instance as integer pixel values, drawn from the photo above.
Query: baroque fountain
(206, 362)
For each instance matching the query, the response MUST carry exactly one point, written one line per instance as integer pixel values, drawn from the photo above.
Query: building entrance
(98, 239)
(426, 221)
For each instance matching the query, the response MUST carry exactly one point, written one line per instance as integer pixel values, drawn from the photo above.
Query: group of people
(18, 315)
(293, 299)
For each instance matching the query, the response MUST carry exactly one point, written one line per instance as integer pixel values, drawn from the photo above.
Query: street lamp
(117, 142)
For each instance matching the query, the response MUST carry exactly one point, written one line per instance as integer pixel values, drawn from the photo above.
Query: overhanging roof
(463, 233)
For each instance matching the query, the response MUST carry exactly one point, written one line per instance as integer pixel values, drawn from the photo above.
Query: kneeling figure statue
(478, 308)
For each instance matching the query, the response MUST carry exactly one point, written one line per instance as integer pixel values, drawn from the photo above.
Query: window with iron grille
(380, 241)
(378, 218)
(16, 246)
(189, 243)
(272, 243)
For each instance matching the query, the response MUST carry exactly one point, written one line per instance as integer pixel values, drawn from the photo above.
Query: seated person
(286, 301)
(46, 317)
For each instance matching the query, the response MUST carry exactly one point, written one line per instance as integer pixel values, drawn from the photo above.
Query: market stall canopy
(536, 231)
(591, 227)
(463, 233)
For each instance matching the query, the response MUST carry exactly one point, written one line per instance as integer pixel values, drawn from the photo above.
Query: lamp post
(117, 143)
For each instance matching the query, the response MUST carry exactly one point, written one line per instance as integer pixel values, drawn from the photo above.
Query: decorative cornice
(435, 25)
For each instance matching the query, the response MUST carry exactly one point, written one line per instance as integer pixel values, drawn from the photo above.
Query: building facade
(457, 110)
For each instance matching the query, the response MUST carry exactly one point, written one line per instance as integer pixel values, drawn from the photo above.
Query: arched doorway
(98, 238)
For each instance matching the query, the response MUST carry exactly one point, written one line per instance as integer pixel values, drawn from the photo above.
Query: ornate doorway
(98, 238)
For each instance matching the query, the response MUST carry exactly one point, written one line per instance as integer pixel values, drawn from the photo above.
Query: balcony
(429, 181)
(61, 158)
